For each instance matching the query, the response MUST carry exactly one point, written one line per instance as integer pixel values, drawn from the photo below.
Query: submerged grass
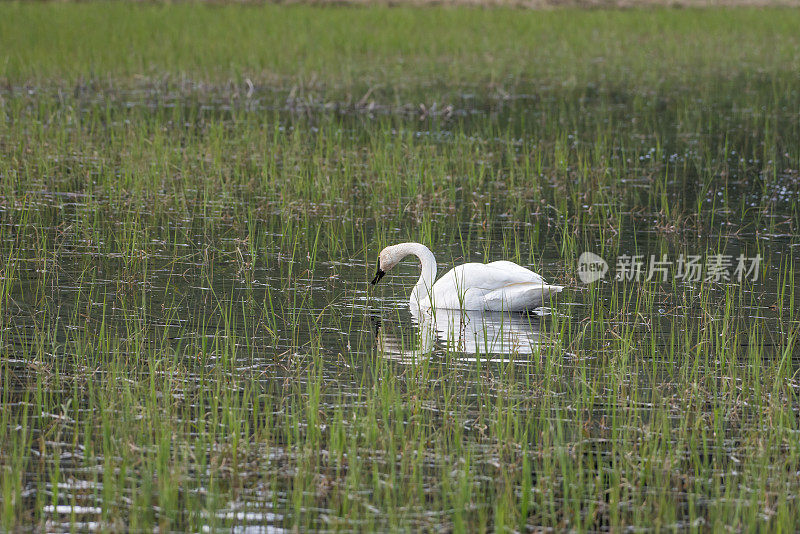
(189, 218)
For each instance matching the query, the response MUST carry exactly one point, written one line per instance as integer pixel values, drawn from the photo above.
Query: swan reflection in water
(465, 331)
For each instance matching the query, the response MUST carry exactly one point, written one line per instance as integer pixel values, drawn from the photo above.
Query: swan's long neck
(424, 288)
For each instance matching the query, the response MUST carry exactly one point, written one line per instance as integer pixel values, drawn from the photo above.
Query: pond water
(213, 300)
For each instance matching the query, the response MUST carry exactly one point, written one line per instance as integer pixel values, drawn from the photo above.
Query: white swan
(496, 286)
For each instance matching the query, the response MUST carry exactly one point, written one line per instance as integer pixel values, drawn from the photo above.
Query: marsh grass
(186, 335)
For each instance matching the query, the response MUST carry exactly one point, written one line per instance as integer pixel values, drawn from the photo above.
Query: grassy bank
(352, 48)
(191, 200)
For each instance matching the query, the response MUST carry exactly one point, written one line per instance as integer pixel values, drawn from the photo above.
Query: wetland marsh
(190, 216)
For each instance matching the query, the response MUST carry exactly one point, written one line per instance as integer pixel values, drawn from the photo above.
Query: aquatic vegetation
(189, 222)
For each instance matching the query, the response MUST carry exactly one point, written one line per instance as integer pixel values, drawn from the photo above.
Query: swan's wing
(519, 297)
(518, 272)
(491, 276)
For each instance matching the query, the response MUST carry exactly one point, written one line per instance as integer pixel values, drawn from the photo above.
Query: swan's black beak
(378, 276)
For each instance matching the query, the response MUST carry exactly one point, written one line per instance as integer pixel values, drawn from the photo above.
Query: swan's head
(387, 259)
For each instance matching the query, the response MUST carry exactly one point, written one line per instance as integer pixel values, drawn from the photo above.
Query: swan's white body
(496, 286)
